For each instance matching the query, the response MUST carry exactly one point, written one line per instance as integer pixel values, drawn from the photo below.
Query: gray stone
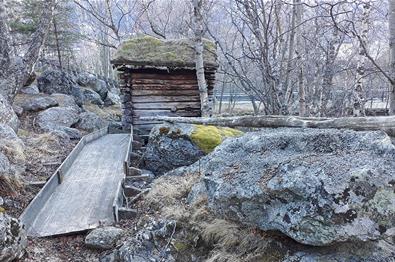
(30, 90)
(112, 99)
(169, 147)
(13, 240)
(318, 187)
(86, 80)
(100, 87)
(7, 114)
(92, 97)
(36, 103)
(54, 81)
(59, 119)
(66, 101)
(89, 121)
(18, 110)
(145, 244)
(103, 238)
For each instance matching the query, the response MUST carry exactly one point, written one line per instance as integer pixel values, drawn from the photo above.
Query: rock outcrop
(90, 122)
(146, 244)
(35, 103)
(318, 187)
(92, 97)
(13, 148)
(103, 238)
(54, 81)
(60, 119)
(13, 240)
(175, 145)
(7, 114)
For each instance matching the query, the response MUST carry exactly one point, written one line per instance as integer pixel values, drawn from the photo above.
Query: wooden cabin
(158, 78)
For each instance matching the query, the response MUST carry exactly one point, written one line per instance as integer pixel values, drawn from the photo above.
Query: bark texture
(392, 49)
(15, 70)
(199, 31)
(384, 123)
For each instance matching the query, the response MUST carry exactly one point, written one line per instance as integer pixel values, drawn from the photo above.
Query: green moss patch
(209, 137)
(151, 51)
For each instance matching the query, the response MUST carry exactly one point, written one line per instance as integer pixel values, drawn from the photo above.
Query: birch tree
(198, 35)
(392, 51)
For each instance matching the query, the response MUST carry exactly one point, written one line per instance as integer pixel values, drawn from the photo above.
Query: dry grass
(10, 185)
(220, 240)
(109, 113)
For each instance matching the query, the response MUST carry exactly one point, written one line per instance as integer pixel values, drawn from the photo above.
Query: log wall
(154, 92)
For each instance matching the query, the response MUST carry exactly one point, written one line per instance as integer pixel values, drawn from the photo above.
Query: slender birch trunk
(392, 50)
(199, 31)
(358, 91)
(301, 87)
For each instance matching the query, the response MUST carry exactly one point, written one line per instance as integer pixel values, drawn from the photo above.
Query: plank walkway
(85, 197)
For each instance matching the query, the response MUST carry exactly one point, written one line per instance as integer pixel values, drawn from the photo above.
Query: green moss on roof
(151, 51)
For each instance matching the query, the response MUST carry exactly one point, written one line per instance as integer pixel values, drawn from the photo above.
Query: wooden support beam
(384, 123)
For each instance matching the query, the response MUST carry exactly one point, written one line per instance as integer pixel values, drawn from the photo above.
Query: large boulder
(30, 90)
(54, 81)
(92, 82)
(66, 101)
(7, 114)
(35, 103)
(112, 98)
(103, 238)
(318, 187)
(90, 122)
(175, 145)
(59, 119)
(92, 97)
(13, 240)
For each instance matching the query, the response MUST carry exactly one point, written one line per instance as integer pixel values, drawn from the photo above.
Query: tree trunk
(57, 43)
(301, 88)
(199, 31)
(384, 123)
(392, 50)
(358, 91)
(14, 70)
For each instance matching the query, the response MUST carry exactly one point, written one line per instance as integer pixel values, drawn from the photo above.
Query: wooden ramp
(80, 195)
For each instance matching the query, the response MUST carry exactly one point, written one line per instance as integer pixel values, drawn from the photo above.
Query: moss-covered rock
(207, 138)
(175, 145)
(151, 51)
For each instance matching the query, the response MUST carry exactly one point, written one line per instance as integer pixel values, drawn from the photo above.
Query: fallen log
(384, 123)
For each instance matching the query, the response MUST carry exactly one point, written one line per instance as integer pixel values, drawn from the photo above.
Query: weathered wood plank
(164, 99)
(168, 105)
(142, 113)
(164, 92)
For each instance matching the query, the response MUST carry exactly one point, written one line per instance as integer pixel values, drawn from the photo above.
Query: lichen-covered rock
(175, 145)
(13, 240)
(59, 119)
(54, 81)
(147, 244)
(66, 101)
(7, 114)
(90, 122)
(30, 90)
(112, 99)
(35, 102)
(316, 186)
(103, 238)
(92, 97)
